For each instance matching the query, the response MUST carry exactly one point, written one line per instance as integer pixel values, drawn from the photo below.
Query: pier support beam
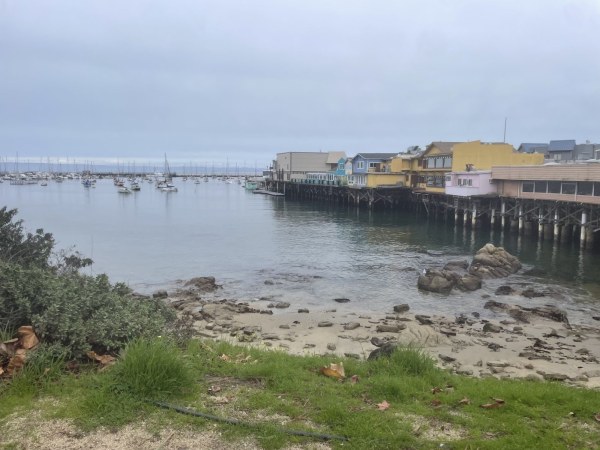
(493, 217)
(541, 223)
(474, 216)
(521, 219)
(548, 231)
(528, 228)
(503, 213)
(582, 234)
(556, 225)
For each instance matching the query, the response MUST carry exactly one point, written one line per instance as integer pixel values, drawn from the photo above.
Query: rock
(467, 372)
(160, 294)
(596, 317)
(331, 347)
(309, 346)
(383, 328)
(493, 262)
(517, 329)
(582, 351)
(250, 330)
(533, 355)
(423, 320)
(270, 337)
(377, 342)
(401, 308)
(352, 355)
(203, 284)
(448, 333)
(325, 324)
(528, 366)
(269, 283)
(303, 311)
(550, 312)
(496, 306)
(438, 281)
(491, 328)
(341, 300)
(351, 326)
(284, 326)
(555, 376)
(504, 290)
(592, 373)
(446, 358)
(457, 264)
(535, 272)
(384, 351)
(469, 282)
(533, 377)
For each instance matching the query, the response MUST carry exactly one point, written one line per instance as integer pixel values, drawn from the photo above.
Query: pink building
(470, 183)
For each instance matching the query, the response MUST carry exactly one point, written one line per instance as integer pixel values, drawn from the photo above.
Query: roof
(532, 147)
(445, 147)
(566, 145)
(334, 157)
(376, 155)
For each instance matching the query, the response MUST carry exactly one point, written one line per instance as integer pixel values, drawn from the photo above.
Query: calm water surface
(307, 253)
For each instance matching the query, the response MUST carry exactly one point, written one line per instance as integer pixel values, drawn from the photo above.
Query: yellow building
(440, 158)
(477, 155)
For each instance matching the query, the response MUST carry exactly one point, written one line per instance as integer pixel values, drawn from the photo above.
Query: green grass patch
(271, 391)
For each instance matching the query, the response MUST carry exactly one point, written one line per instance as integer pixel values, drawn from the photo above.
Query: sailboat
(168, 185)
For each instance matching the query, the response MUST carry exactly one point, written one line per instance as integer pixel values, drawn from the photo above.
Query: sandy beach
(531, 343)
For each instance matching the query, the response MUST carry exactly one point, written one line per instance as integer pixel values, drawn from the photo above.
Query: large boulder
(202, 284)
(493, 262)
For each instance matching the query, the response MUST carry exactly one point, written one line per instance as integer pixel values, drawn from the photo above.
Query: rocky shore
(537, 343)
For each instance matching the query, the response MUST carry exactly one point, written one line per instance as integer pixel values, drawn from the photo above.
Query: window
(372, 164)
(470, 182)
(448, 178)
(596, 189)
(541, 187)
(554, 187)
(568, 188)
(360, 165)
(585, 188)
(527, 186)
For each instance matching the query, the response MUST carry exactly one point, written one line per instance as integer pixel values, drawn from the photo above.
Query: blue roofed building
(561, 149)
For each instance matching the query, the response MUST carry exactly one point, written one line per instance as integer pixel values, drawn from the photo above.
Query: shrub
(76, 311)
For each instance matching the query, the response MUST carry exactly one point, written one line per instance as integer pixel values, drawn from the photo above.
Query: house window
(596, 189)
(554, 187)
(372, 165)
(541, 187)
(527, 186)
(360, 165)
(470, 182)
(585, 188)
(568, 188)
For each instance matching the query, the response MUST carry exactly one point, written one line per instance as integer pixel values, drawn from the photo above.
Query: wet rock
(325, 324)
(401, 308)
(596, 317)
(269, 282)
(351, 326)
(550, 312)
(491, 328)
(396, 328)
(160, 294)
(203, 284)
(469, 282)
(440, 281)
(493, 262)
(504, 290)
(341, 300)
(457, 264)
(423, 320)
(535, 272)
(384, 351)
(303, 311)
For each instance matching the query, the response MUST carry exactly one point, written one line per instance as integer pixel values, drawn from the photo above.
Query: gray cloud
(210, 80)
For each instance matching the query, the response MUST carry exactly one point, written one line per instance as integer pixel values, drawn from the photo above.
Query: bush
(153, 369)
(76, 311)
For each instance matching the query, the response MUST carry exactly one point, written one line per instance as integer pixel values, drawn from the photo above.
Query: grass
(271, 391)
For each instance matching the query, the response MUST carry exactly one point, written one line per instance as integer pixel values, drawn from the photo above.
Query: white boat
(167, 185)
(124, 190)
(135, 186)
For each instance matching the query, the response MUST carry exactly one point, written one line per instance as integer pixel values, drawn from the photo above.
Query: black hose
(191, 412)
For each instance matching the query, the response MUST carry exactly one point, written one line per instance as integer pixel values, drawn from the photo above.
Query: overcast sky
(242, 80)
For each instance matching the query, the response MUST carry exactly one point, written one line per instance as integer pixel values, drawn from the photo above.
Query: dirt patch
(434, 429)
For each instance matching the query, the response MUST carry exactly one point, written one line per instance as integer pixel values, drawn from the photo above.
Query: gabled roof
(532, 147)
(334, 157)
(376, 155)
(562, 146)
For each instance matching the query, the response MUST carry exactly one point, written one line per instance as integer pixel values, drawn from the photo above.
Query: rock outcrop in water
(489, 262)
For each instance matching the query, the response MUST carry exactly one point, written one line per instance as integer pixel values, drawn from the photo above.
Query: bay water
(303, 253)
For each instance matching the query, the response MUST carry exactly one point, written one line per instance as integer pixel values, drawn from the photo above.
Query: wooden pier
(560, 221)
